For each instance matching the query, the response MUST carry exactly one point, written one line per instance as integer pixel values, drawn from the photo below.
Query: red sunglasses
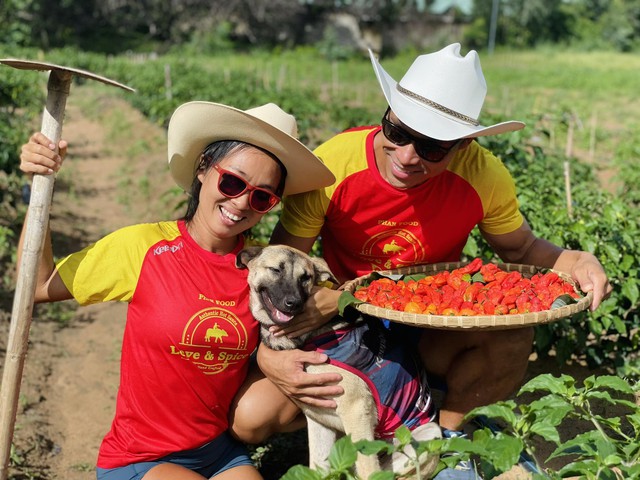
(232, 186)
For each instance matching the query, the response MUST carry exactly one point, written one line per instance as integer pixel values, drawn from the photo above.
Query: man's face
(397, 154)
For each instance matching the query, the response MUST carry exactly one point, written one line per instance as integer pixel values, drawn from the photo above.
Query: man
(410, 192)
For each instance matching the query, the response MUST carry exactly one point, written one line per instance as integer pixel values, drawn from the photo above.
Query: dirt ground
(115, 175)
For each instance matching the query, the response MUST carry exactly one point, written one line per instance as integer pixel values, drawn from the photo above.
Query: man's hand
(285, 369)
(522, 246)
(588, 272)
(321, 307)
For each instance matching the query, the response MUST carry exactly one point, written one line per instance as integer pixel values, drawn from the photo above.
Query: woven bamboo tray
(475, 322)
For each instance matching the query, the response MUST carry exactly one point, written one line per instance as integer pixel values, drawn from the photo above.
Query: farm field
(116, 175)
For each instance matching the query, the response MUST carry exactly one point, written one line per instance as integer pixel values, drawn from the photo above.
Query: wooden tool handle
(36, 229)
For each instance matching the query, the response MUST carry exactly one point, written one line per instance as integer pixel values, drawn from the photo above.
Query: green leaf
(612, 460)
(634, 419)
(373, 447)
(343, 454)
(346, 299)
(582, 444)
(414, 277)
(551, 409)
(461, 445)
(631, 291)
(619, 325)
(300, 472)
(382, 476)
(503, 410)
(613, 383)
(631, 471)
(626, 263)
(559, 385)
(580, 469)
(505, 452)
(403, 434)
(612, 252)
(478, 277)
(546, 431)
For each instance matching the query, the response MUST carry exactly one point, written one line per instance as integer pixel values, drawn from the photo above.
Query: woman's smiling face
(219, 217)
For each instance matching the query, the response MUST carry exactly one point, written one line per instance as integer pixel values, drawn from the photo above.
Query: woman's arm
(39, 156)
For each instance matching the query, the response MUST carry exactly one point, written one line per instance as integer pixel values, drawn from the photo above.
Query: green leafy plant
(608, 447)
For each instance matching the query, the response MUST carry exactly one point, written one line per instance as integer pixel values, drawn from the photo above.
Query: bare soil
(115, 175)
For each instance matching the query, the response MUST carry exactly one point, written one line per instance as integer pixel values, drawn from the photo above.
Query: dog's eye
(274, 270)
(305, 278)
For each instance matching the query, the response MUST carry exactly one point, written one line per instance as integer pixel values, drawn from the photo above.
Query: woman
(189, 333)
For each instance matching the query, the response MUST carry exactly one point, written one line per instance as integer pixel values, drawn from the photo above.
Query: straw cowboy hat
(441, 95)
(195, 125)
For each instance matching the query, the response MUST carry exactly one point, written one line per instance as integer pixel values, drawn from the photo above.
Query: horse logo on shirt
(215, 339)
(216, 332)
(392, 247)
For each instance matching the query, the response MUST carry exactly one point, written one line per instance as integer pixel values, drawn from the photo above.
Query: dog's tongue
(276, 315)
(281, 316)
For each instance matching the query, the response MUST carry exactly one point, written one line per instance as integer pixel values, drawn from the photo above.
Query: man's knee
(513, 344)
(487, 353)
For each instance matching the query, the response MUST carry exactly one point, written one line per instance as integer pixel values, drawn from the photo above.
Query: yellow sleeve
(495, 186)
(303, 214)
(108, 270)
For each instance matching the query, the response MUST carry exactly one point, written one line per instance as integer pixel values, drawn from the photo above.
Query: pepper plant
(598, 222)
(608, 448)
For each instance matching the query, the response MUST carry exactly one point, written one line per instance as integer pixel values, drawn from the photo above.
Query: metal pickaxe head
(60, 70)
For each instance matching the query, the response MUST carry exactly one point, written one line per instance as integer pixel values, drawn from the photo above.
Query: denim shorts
(212, 458)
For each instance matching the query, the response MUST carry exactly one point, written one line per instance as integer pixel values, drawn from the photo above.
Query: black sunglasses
(232, 186)
(427, 148)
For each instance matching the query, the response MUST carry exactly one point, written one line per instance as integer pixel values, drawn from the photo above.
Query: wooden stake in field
(592, 136)
(41, 193)
(567, 172)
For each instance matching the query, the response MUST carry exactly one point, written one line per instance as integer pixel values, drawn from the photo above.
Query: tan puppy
(281, 279)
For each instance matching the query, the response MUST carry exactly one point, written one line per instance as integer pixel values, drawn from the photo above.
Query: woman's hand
(285, 368)
(321, 307)
(39, 155)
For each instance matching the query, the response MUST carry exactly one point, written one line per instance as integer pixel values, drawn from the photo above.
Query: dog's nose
(293, 304)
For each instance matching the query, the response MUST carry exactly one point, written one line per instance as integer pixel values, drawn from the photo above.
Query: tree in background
(586, 23)
(14, 27)
(114, 26)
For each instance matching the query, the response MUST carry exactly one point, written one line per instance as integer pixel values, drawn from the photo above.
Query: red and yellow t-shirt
(187, 340)
(366, 224)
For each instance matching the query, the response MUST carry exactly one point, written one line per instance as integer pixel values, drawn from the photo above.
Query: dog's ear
(244, 256)
(322, 271)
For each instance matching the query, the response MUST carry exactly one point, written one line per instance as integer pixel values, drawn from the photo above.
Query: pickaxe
(36, 229)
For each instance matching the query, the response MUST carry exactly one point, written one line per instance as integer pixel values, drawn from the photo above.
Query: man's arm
(522, 246)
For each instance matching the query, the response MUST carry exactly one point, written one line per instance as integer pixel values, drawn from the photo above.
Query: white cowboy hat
(441, 95)
(195, 125)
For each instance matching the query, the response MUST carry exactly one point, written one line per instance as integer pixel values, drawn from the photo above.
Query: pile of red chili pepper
(474, 289)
